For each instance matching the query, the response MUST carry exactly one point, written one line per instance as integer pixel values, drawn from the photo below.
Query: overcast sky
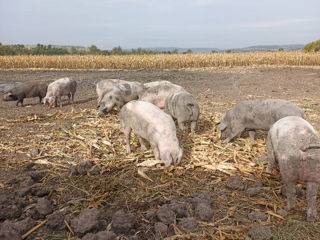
(159, 23)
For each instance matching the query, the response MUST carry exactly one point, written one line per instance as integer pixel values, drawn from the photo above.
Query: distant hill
(180, 50)
(291, 47)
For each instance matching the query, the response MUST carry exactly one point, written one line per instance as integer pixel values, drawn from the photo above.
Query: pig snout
(9, 97)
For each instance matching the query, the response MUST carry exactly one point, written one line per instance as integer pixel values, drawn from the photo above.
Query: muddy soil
(52, 195)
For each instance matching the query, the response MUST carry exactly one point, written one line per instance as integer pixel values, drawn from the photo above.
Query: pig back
(292, 139)
(147, 120)
(262, 113)
(182, 105)
(158, 94)
(30, 89)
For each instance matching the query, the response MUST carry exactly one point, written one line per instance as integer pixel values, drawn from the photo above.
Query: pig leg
(142, 142)
(60, 102)
(127, 132)
(252, 133)
(271, 156)
(40, 99)
(69, 96)
(156, 151)
(312, 189)
(291, 192)
(72, 95)
(20, 100)
(193, 127)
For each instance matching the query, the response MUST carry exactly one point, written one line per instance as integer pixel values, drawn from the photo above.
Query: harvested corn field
(163, 61)
(65, 175)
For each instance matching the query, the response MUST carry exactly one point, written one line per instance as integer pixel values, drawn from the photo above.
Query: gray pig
(105, 85)
(295, 145)
(120, 95)
(59, 88)
(157, 94)
(153, 125)
(26, 90)
(253, 115)
(183, 107)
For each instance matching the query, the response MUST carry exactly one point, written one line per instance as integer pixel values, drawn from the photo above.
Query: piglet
(120, 95)
(26, 90)
(59, 88)
(153, 125)
(105, 85)
(158, 93)
(295, 145)
(253, 115)
(183, 107)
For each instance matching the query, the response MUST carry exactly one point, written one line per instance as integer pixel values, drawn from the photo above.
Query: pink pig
(105, 85)
(157, 92)
(59, 88)
(295, 145)
(153, 125)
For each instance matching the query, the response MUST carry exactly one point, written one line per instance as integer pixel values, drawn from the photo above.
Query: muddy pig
(183, 107)
(157, 94)
(59, 88)
(253, 115)
(153, 125)
(26, 90)
(120, 95)
(105, 85)
(295, 145)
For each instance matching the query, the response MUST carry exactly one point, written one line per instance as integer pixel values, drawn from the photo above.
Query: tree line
(40, 49)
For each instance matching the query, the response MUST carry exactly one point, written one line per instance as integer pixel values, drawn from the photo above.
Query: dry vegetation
(162, 61)
(134, 182)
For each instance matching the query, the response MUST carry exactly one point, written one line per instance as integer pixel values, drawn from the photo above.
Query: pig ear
(221, 126)
(311, 146)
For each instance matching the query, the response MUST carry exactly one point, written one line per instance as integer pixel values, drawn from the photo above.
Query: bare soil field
(64, 173)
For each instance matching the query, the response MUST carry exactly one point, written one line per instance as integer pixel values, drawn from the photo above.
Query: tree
(312, 47)
(93, 49)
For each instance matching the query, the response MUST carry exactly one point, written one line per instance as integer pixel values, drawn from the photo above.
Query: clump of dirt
(257, 216)
(188, 224)
(161, 230)
(103, 235)
(89, 220)
(123, 223)
(235, 183)
(259, 232)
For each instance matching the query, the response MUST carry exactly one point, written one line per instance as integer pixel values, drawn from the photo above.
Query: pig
(120, 95)
(157, 94)
(151, 124)
(27, 89)
(294, 144)
(59, 88)
(183, 107)
(253, 115)
(105, 85)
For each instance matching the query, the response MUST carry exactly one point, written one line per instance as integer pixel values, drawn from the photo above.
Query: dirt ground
(66, 170)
